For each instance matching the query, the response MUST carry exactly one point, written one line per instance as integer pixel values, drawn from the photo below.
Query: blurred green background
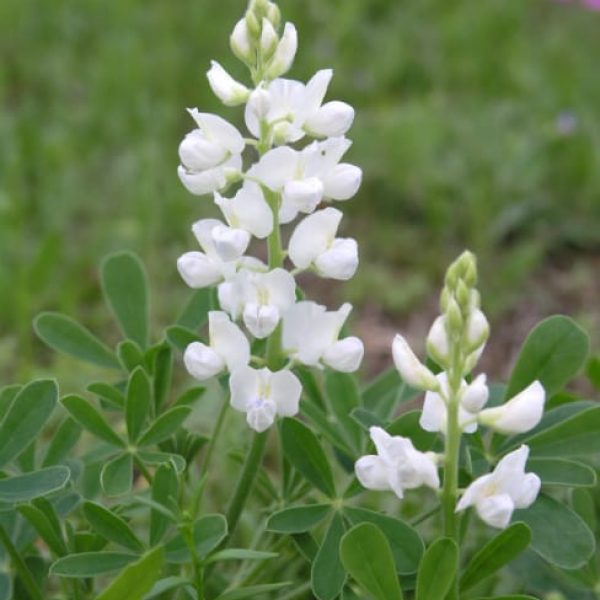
(478, 125)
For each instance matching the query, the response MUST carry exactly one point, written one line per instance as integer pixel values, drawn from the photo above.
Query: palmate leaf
(138, 400)
(66, 335)
(126, 291)
(303, 450)
(298, 519)
(91, 564)
(111, 526)
(568, 543)
(137, 579)
(26, 415)
(553, 353)
(437, 570)
(23, 488)
(366, 555)
(327, 574)
(497, 553)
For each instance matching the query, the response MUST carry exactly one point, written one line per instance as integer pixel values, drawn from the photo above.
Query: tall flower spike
(497, 494)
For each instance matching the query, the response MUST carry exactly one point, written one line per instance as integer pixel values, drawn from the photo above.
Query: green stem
(452, 456)
(188, 535)
(142, 468)
(246, 480)
(19, 564)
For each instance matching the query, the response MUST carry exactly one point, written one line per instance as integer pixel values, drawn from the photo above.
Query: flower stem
(246, 480)
(20, 567)
(452, 453)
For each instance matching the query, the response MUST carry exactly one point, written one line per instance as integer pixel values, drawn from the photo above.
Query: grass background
(478, 125)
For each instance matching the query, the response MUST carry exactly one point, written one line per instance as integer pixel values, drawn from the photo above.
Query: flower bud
(453, 317)
(438, 345)
(518, 415)
(240, 42)
(261, 320)
(225, 87)
(345, 355)
(463, 296)
(284, 54)
(304, 195)
(411, 369)
(197, 153)
(478, 329)
(343, 182)
(202, 362)
(253, 25)
(268, 39)
(197, 270)
(230, 243)
(273, 14)
(340, 261)
(475, 396)
(331, 120)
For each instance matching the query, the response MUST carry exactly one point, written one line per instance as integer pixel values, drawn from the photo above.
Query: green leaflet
(126, 292)
(366, 555)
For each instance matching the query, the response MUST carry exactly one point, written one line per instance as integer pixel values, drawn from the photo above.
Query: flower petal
(286, 390)
(228, 340)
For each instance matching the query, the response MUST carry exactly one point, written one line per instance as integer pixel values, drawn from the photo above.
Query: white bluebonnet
(259, 298)
(257, 195)
(397, 466)
(519, 414)
(220, 258)
(496, 495)
(411, 369)
(211, 155)
(227, 348)
(305, 178)
(264, 395)
(314, 243)
(472, 398)
(310, 336)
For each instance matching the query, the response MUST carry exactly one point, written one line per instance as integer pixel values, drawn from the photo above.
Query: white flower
(397, 466)
(310, 336)
(268, 38)
(411, 369)
(472, 398)
(520, 414)
(263, 395)
(225, 87)
(210, 155)
(497, 494)
(314, 243)
(285, 53)
(240, 41)
(261, 298)
(247, 210)
(292, 109)
(307, 177)
(228, 347)
(478, 329)
(438, 344)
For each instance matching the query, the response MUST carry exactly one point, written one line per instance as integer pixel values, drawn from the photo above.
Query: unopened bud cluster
(455, 343)
(260, 182)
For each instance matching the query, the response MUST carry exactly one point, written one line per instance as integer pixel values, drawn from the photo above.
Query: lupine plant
(328, 488)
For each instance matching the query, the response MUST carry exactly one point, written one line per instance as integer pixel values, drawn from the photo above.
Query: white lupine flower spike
(397, 466)
(256, 196)
(496, 495)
